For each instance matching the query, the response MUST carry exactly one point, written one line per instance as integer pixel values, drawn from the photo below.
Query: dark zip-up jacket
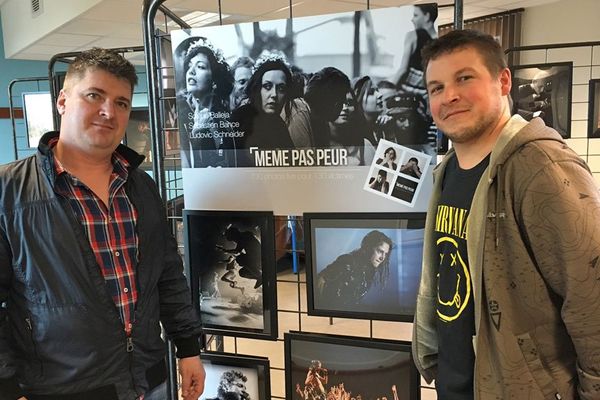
(61, 336)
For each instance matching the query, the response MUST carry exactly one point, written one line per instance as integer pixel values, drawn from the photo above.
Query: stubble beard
(476, 130)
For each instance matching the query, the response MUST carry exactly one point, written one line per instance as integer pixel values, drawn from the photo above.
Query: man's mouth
(453, 113)
(103, 126)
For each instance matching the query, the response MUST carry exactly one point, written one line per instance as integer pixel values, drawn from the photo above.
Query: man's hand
(192, 377)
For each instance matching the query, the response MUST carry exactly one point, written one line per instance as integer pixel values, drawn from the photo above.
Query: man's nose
(107, 109)
(451, 94)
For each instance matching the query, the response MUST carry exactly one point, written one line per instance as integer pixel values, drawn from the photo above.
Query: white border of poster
(317, 178)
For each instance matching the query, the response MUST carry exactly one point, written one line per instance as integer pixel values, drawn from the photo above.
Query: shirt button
(117, 253)
(126, 290)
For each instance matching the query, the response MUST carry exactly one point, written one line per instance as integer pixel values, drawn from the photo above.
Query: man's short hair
(488, 48)
(430, 9)
(101, 59)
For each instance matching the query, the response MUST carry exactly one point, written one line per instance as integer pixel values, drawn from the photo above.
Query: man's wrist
(187, 346)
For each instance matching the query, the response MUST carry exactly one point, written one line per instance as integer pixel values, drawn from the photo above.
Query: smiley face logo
(455, 291)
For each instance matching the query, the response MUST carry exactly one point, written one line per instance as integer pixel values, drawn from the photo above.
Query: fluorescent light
(199, 18)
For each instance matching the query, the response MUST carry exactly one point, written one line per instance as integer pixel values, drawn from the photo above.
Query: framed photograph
(230, 258)
(364, 266)
(544, 90)
(137, 134)
(37, 111)
(329, 366)
(235, 376)
(594, 109)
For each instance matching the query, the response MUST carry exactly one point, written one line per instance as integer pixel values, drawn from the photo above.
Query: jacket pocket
(36, 360)
(541, 376)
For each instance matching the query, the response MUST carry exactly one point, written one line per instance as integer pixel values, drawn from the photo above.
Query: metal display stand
(156, 28)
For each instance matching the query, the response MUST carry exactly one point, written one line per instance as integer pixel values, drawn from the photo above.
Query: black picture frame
(363, 366)
(233, 288)
(544, 90)
(232, 369)
(137, 135)
(335, 241)
(594, 109)
(37, 112)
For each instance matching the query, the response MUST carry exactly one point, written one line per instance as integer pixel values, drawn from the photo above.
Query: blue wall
(9, 70)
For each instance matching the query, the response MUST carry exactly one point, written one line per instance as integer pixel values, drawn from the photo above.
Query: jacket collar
(47, 157)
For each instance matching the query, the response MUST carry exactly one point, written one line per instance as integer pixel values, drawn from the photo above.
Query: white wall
(569, 21)
(563, 21)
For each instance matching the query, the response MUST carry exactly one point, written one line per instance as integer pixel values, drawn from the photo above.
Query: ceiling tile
(117, 23)
(115, 12)
(68, 40)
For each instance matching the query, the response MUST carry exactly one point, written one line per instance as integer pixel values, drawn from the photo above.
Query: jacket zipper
(129, 350)
(34, 347)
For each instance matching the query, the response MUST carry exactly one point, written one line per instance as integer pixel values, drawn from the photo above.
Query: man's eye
(464, 78)
(435, 89)
(93, 95)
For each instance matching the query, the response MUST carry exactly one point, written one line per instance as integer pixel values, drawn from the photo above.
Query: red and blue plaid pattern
(110, 230)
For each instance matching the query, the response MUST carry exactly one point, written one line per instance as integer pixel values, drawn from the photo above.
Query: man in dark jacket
(88, 268)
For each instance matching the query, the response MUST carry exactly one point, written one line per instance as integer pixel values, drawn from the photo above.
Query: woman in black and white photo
(267, 90)
(203, 104)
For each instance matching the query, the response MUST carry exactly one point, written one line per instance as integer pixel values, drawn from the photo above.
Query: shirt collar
(120, 164)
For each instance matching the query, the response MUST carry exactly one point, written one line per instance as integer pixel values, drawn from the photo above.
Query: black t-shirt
(455, 322)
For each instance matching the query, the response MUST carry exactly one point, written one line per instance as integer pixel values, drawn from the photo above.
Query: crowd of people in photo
(316, 387)
(270, 104)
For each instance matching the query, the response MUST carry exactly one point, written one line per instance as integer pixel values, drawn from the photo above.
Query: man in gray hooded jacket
(509, 301)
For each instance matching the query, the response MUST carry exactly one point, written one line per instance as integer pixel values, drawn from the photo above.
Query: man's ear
(60, 102)
(505, 78)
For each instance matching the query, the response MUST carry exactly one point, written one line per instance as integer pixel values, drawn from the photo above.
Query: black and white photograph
(269, 86)
(397, 173)
(364, 266)
(544, 91)
(411, 165)
(379, 181)
(230, 258)
(388, 157)
(308, 99)
(322, 367)
(594, 109)
(137, 134)
(37, 111)
(235, 377)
